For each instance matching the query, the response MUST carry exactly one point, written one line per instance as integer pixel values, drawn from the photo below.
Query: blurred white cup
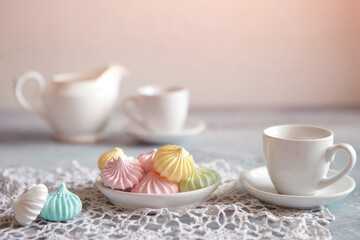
(161, 109)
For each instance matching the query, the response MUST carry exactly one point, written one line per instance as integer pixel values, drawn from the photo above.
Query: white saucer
(257, 182)
(172, 201)
(192, 127)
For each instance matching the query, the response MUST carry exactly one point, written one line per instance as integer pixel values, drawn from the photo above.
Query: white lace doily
(230, 212)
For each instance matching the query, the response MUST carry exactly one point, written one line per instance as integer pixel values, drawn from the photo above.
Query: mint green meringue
(61, 205)
(201, 177)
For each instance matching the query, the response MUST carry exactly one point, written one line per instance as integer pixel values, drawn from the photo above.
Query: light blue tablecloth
(232, 134)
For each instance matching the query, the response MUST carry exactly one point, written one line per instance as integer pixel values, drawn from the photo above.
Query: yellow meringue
(109, 156)
(174, 163)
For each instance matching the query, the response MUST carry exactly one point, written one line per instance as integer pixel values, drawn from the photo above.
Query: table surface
(232, 134)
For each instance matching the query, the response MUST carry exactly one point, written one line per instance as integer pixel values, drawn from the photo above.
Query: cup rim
(162, 90)
(329, 133)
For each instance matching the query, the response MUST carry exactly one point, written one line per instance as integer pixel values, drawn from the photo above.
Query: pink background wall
(259, 53)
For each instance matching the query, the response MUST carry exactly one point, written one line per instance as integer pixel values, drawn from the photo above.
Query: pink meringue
(122, 173)
(146, 161)
(153, 183)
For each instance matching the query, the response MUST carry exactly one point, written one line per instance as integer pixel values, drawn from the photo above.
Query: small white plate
(192, 127)
(172, 201)
(258, 183)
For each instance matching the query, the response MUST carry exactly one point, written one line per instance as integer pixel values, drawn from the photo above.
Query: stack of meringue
(170, 169)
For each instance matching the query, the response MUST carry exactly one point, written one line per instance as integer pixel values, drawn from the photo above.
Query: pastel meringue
(61, 205)
(153, 183)
(201, 177)
(122, 173)
(174, 163)
(109, 156)
(146, 161)
(29, 204)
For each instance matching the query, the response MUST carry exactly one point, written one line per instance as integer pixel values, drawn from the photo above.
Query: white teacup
(298, 158)
(159, 109)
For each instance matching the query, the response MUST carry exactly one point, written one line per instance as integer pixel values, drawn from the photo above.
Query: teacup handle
(126, 105)
(330, 155)
(19, 90)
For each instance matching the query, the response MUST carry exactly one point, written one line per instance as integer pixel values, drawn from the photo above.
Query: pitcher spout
(113, 73)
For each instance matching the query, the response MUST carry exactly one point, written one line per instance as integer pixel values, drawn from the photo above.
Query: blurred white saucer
(193, 126)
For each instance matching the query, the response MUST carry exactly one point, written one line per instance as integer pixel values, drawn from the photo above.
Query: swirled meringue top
(153, 183)
(61, 205)
(174, 163)
(122, 173)
(109, 156)
(29, 204)
(146, 161)
(201, 177)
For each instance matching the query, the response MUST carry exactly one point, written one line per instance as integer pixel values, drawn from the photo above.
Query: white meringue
(29, 204)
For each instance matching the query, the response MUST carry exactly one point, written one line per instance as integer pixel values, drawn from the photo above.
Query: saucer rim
(309, 200)
(201, 125)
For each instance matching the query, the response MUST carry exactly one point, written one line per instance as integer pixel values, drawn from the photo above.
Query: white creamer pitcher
(77, 106)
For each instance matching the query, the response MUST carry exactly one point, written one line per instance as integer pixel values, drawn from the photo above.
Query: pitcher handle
(19, 90)
(132, 100)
